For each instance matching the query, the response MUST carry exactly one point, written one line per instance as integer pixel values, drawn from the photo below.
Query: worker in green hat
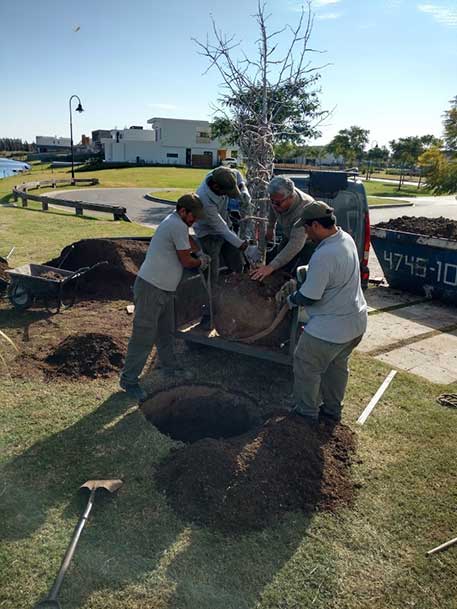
(333, 299)
(169, 252)
(214, 231)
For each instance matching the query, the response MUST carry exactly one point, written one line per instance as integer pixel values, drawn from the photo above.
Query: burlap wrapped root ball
(243, 307)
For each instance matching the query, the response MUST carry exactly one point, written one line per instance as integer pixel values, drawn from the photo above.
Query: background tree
(267, 99)
(350, 144)
(450, 127)
(407, 150)
(440, 173)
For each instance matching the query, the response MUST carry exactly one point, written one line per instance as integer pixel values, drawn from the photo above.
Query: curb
(388, 206)
(157, 200)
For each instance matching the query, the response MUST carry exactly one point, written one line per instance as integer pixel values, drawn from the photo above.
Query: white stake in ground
(377, 396)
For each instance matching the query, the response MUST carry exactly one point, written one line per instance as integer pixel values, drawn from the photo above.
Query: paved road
(139, 209)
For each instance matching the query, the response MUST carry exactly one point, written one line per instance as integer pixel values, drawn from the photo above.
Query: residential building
(169, 141)
(46, 143)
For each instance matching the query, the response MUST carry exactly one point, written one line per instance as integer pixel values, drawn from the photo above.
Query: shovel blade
(109, 485)
(48, 603)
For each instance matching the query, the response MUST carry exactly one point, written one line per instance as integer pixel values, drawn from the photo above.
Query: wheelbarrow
(32, 281)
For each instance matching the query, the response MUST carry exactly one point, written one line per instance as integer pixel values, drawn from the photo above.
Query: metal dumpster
(416, 263)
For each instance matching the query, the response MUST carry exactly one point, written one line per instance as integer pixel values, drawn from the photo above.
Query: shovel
(111, 486)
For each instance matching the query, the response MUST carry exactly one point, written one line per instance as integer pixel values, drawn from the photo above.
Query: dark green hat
(225, 178)
(191, 202)
(315, 211)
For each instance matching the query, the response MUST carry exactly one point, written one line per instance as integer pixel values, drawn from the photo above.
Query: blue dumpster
(416, 263)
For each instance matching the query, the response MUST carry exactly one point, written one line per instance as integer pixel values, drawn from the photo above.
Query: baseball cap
(316, 210)
(225, 178)
(191, 202)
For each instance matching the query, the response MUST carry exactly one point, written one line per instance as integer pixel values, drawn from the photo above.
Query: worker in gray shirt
(213, 231)
(169, 252)
(287, 204)
(337, 310)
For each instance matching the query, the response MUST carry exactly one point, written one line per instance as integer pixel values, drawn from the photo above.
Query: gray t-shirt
(162, 267)
(215, 220)
(333, 278)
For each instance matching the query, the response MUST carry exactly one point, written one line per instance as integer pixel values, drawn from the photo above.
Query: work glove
(245, 199)
(281, 296)
(252, 255)
(290, 304)
(204, 261)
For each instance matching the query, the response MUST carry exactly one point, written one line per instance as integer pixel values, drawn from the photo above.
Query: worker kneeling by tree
(169, 252)
(333, 299)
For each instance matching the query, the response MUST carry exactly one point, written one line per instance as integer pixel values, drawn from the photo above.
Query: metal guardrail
(22, 192)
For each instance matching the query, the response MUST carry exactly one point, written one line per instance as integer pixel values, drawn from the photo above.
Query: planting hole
(191, 412)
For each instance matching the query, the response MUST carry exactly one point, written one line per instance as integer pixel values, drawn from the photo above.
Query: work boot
(134, 391)
(298, 415)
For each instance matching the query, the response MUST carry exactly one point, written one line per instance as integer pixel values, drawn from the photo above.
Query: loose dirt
(3, 267)
(113, 280)
(430, 227)
(89, 355)
(246, 482)
(244, 307)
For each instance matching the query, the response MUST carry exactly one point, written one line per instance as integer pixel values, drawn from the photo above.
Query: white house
(45, 143)
(171, 141)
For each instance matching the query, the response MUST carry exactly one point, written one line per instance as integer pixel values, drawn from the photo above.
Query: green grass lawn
(382, 201)
(385, 189)
(136, 553)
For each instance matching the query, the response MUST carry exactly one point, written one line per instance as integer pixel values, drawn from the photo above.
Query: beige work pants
(320, 375)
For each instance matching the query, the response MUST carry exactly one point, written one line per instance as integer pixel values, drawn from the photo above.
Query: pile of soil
(243, 307)
(91, 355)
(113, 280)
(430, 227)
(245, 482)
(4, 277)
(194, 418)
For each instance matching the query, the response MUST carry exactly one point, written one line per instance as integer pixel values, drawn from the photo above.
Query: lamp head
(79, 108)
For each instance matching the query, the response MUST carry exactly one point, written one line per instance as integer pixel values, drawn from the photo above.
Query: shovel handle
(54, 593)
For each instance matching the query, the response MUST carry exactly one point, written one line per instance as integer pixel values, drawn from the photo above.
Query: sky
(392, 64)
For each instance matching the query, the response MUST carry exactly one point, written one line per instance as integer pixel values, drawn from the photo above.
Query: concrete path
(412, 334)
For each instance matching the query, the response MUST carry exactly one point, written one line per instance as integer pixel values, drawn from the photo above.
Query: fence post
(79, 210)
(24, 200)
(44, 205)
(15, 196)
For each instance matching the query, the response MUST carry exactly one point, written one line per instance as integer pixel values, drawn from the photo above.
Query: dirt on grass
(243, 307)
(89, 355)
(4, 277)
(430, 227)
(246, 482)
(113, 280)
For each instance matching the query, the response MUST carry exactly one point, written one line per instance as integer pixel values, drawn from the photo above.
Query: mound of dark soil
(91, 355)
(4, 277)
(244, 307)
(430, 227)
(245, 482)
(109, 281)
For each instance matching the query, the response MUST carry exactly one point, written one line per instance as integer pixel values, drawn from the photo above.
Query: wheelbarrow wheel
(19, 296)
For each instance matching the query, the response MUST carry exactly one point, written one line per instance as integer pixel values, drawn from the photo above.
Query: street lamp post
(79, 108)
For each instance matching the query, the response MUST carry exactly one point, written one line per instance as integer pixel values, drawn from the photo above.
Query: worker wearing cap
(286, 206)
(169, 252)
(333, 299)
(213, 230)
